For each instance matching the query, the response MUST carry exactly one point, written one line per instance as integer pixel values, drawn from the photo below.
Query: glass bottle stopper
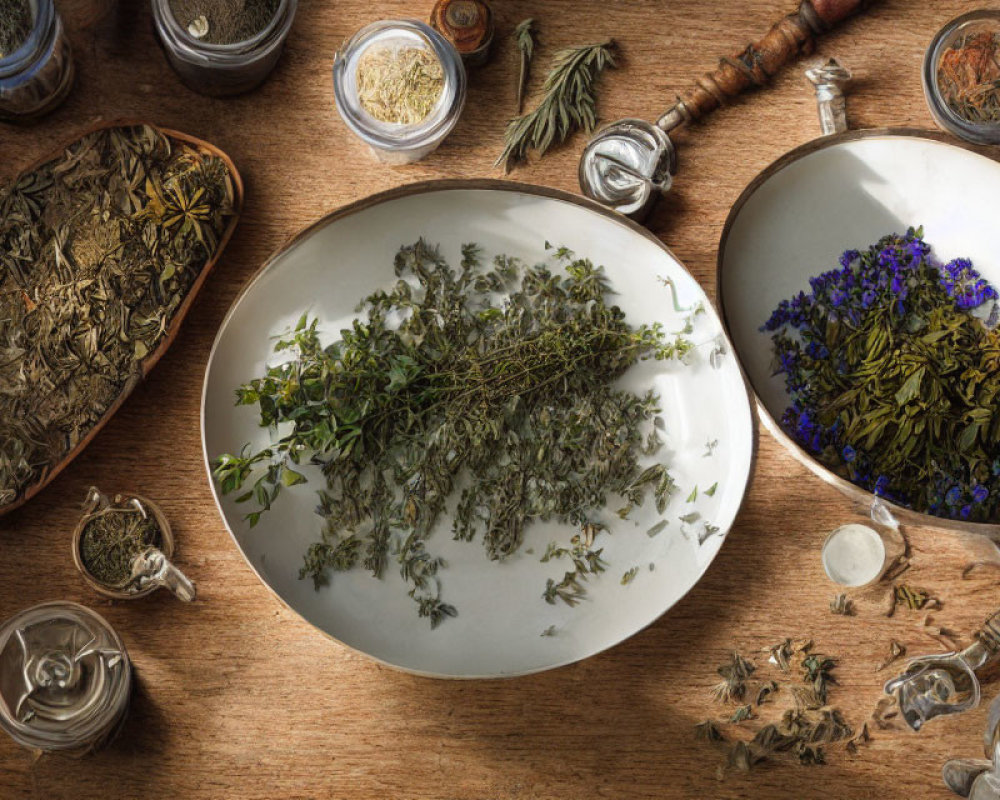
(829, 80)
(627, 166)
(938, 685)
(853, 555)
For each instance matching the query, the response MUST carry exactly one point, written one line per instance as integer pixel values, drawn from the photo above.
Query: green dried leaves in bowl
(101, 249)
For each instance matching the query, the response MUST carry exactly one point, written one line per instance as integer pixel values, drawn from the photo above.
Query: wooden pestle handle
(753, 66)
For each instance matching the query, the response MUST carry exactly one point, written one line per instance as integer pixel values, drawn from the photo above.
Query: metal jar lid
(65, 679)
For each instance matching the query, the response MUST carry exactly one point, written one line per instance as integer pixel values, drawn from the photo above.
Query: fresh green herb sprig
(569, 104)
(503, 372)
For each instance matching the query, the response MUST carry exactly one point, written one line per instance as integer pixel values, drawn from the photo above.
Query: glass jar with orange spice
(961, 77)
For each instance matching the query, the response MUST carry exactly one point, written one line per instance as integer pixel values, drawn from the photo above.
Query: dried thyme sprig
(570, 103)
(842, 605)
(708, 731)
(524, 36)
(734, 675)
(519, 393)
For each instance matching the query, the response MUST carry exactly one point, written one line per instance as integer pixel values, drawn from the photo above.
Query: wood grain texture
(238, 697)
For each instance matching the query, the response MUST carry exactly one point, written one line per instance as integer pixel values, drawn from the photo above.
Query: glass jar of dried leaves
(400, 87)
(223, 47)
(36, 64)
(961, 77)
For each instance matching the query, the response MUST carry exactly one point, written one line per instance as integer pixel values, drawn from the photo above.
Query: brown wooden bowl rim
(173, 328)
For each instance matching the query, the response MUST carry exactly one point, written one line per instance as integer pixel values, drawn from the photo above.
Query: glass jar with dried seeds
(36, 64)
(223, 47)
(400, 87)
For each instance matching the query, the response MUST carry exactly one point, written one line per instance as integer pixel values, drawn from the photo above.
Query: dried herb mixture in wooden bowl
(102, 248)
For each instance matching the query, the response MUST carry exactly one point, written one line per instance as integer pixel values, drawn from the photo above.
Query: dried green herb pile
(98, 248)
(224, 21)
(501, 372)
(15, 25)
(112, 539)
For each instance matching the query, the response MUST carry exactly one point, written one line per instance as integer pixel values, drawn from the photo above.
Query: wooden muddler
(753, 66)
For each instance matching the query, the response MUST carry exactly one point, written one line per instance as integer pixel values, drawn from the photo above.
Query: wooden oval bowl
(151, 358)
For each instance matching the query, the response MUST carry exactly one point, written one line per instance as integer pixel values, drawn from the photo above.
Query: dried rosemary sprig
(570, 103)
(524, 36)
(504, 372)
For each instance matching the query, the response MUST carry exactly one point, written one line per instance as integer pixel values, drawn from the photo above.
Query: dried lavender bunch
(894, 381)
(516, 392)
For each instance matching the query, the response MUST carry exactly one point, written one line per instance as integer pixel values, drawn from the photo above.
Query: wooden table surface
(239, 698)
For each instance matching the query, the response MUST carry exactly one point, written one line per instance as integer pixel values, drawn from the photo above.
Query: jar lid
(467, 24)
(65, 678)
(397, 35)
(961, 76)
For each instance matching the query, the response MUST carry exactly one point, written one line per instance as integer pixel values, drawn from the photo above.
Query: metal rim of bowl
(851, 490)
(423, 187)
(166, 547)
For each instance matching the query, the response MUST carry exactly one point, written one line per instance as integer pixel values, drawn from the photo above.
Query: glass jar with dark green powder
(223, 47)
(36, 64)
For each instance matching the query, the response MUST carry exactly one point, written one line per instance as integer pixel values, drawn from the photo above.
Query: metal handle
(757, 63)
(152, 568)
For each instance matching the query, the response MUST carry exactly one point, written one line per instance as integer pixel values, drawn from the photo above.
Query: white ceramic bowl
(501, 614)
(836, 193)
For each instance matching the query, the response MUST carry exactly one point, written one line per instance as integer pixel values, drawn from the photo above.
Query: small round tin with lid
(65, 679)
(961, 77)
(37, 72)
(218, 66)
(400, 87)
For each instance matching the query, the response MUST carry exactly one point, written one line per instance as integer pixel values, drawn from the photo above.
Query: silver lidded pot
(65, 679)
